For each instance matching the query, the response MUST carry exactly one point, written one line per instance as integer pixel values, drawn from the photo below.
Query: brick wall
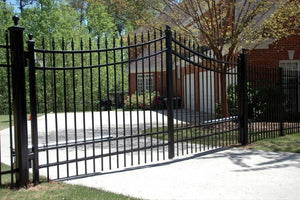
(277, 51)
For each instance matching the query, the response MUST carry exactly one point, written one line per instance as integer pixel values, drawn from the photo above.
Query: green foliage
(52, 19)
(99, 20)
(218, 110)
(81, 88)
(54, 24)
(128, 15)
(232, 100)
(6, 13)
(261, 101)
(4, 93)
(147, 101)
(266, 101)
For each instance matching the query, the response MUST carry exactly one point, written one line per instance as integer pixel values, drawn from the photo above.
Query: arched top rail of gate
(198, 59)
(106, 51)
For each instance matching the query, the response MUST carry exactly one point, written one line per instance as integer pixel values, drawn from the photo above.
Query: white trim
(281, 62)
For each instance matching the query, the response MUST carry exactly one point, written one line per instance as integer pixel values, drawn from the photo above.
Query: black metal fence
(273, 99)
(96, 105)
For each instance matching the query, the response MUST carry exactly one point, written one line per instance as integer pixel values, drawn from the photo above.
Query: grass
(287, 143)
(200, 135)
(4, 121)
(50, 190)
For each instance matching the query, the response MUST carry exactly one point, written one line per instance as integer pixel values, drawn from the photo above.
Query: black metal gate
(96, 106)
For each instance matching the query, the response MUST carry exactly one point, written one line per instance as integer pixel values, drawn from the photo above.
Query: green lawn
(199, 135)
(288, 143)
(4, 121)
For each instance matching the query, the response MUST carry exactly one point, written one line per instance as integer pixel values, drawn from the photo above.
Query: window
(291, 84)
(145, 84)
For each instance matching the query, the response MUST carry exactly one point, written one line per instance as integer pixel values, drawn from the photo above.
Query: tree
(226, 25)
(24, 3)
(99, 19)
(80, 6)
(6, 13)
(284, 21)
(50, 19)
(130, 14)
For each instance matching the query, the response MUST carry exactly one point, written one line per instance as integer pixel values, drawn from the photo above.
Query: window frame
(146, 85)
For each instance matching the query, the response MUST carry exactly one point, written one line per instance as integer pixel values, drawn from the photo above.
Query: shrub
(260, 100)
(147, 101)
(267, 101)
(218, 110)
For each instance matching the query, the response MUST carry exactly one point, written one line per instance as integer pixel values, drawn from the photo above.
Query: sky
(15, 3)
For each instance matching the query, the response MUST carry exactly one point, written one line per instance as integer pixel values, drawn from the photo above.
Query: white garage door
(207, 92)
(189, 88)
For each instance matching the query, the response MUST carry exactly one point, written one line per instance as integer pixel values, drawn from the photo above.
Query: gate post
(33, 110)
(243, 98)
(168, 33)
(19, 103)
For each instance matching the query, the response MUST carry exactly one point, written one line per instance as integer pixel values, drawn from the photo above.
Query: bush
(232, 99)
(260, 101)
(218, 110)
(147, 101)
(267, 100)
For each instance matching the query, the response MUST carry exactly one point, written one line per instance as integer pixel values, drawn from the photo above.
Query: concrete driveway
(225, 174)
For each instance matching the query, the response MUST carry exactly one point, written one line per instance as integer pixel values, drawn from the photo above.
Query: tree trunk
(21, 7)
(224, 96)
